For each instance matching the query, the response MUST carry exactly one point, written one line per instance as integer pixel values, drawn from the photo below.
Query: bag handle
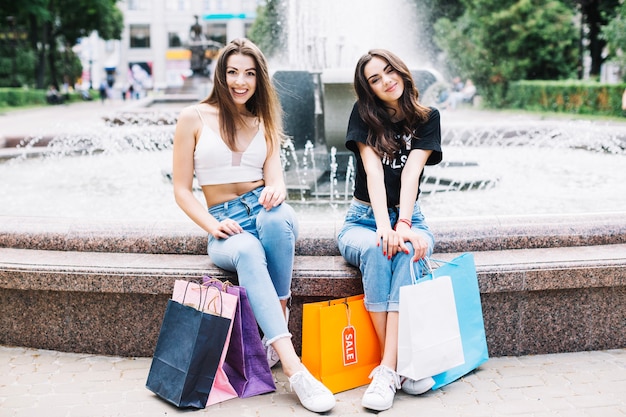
(348, 312)
(439, 262)
(215, 282)
(201, 303)
(427, 264)
(426, 267)
(185, 295)
(212, 302)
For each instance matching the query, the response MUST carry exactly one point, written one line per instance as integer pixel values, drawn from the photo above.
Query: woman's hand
(226, 228)
(271, 197)
(390, 241)
(420, 245)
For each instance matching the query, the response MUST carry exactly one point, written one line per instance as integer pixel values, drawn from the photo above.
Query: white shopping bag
(429, 338)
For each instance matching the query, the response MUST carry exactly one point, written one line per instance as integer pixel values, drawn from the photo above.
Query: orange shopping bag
(339, 344)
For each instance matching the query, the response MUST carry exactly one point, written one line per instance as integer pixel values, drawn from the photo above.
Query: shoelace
(384, 378)
(311, 389)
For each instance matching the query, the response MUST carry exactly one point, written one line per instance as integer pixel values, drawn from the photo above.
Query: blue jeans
(262, 256)
(382, 278)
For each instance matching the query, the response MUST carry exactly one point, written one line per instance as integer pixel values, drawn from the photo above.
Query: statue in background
(195, 31)
(203, 50)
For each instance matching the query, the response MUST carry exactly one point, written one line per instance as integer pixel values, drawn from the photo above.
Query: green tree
(494, 43)
(428, 12)
(74, 19)
(267, 29)
(614, 34)
(594, 15)
(54, 26)
(17, 55)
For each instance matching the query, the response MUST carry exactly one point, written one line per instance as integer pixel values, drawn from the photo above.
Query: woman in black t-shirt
(393, 137)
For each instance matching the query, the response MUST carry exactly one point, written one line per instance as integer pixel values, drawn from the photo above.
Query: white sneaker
(313, 395)
(413, 387)
(379, 395)
(270, 353)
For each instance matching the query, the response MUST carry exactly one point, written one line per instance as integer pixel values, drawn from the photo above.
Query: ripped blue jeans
(262, 256)
(382, 278)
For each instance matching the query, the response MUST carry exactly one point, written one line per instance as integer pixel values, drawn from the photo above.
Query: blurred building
(153, 53)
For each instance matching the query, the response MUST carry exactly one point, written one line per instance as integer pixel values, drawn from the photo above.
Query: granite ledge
(328, 276)
(316, 238)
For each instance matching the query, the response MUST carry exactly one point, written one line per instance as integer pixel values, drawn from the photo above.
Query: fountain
(314, 81)
(531, 166)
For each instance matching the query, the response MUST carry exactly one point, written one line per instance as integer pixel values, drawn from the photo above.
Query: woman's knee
(281, 216)
(241, 247)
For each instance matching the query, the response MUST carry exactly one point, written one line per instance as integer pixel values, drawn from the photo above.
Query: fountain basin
(548, 284)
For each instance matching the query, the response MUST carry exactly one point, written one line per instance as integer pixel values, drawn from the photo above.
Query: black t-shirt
(425, 136)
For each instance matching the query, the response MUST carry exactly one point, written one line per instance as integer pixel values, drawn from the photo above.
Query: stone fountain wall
(548, 284)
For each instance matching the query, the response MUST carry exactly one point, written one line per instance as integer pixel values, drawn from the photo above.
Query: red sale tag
(349, 346)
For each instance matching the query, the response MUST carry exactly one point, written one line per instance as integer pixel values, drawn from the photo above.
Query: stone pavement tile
(595, 400)
(426, 405)
(605, 412)
(615, 387)
(585, 384)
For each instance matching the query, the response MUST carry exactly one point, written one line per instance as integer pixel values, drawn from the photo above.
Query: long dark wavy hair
(264, 104)
(374, 111)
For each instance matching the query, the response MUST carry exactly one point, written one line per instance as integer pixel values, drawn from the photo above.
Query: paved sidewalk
(53, 120)
(582, 384)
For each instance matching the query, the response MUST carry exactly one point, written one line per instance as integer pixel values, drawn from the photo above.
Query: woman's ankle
(292, 367)
(289, 360)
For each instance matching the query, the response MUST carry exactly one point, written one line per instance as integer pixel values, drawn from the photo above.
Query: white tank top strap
(197, 107)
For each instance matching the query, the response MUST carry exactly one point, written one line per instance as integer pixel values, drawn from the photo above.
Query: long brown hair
(373, 110)
(263, 104)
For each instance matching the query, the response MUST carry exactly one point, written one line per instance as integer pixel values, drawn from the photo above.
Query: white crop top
(214, 163)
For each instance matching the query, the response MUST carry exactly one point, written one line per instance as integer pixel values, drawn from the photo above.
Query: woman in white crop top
(231, 142)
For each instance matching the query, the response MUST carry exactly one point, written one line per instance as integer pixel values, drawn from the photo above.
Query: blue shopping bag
(462, 270)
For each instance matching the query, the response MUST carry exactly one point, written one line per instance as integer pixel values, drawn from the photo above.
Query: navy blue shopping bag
(187, 354)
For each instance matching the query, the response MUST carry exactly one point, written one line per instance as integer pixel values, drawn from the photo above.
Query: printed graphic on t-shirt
(399, 158)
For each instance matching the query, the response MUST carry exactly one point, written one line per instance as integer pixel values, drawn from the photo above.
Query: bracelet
(405, 221)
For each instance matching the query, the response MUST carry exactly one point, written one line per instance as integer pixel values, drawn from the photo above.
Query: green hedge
(577, 97)
(16, 97)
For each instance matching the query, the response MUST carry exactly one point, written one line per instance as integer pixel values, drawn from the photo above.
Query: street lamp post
(90, 74)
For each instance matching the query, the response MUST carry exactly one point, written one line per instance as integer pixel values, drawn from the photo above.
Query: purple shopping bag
(246, 362)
